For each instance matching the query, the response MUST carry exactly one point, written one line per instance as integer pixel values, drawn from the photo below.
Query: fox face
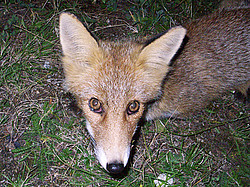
(113, 82)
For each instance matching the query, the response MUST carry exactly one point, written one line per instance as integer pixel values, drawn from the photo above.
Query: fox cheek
(89, 128)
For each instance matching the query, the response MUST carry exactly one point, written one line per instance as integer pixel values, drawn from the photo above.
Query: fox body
(118, 83)
(214, 60)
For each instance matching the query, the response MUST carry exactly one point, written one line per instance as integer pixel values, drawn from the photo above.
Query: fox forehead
(113, 72)
(125, 51)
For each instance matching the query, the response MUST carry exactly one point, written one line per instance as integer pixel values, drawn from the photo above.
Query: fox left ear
(156, 56)
(77, 42)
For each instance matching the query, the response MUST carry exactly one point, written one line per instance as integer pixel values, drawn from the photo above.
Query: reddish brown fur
(214, 61)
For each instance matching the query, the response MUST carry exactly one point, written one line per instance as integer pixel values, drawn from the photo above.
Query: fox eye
(133, 107)
(95, 105)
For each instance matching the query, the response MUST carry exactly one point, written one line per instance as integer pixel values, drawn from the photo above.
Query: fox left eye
(95, 105)
(133, 107)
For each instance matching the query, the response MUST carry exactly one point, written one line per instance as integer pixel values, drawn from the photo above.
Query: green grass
(44, 141)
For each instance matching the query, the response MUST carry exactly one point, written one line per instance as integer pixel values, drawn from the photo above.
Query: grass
(43, 139)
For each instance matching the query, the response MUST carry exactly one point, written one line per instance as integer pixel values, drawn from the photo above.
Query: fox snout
(114, 161)
(112, 129)
(112, 146)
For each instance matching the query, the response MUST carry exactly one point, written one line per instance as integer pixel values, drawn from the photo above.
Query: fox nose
(115, 168)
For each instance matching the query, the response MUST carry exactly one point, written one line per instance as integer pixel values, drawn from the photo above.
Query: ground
(43, 140)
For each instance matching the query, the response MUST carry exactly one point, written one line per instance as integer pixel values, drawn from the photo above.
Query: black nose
(115, 168)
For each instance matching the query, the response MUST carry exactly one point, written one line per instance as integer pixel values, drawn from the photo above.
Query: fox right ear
(155, 57)
(77, 43)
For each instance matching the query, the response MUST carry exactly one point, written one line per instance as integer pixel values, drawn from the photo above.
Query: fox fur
(118, 83)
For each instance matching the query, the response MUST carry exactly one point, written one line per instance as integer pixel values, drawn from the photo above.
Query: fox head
(113, 82)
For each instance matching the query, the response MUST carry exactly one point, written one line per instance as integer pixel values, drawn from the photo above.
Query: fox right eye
(133, 107)
(95, 105)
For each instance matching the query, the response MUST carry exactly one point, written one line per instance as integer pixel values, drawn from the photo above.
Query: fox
(177, 73)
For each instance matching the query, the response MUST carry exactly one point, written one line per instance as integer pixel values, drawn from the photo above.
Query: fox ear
(77, 43)
(156, 56)
(79, 50)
